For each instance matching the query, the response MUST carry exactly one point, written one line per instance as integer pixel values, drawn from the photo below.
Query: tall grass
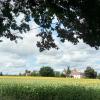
(40, 88)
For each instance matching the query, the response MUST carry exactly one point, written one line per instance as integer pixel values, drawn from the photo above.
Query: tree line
(47, 71)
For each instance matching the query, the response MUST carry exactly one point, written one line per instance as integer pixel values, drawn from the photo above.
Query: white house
(76, 74)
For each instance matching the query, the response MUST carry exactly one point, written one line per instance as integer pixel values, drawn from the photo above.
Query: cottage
(76, 74)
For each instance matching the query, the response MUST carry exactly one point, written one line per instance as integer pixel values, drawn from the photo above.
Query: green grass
(40, 88)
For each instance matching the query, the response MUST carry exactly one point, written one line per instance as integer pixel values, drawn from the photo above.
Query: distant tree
(35, 73)
(98, 76)
(57, 74)
(46, 71)
(63, 75)
(27, 73)
(90, 73)
(68, 72)
(1, 74)
(20, 74)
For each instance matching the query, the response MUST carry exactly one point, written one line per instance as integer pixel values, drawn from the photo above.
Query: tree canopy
(46, 71)
(75, 19)
(90, 73)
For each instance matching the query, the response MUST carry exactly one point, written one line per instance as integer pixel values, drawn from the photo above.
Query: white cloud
(15, 57)
(78, 56)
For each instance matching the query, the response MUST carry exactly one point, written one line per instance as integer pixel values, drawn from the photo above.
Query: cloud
(15, 58)
(79, 56)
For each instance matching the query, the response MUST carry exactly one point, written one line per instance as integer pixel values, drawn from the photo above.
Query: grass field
(47, 88)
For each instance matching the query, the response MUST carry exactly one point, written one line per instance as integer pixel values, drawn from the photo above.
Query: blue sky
(16, 58)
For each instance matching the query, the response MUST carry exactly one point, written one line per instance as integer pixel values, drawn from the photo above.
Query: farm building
(76, 74)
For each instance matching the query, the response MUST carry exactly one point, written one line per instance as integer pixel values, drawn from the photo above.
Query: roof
(75, 72)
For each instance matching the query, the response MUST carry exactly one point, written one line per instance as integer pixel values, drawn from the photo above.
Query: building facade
(76, 74)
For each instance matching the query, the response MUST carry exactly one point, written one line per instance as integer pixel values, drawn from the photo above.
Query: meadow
(48, 88)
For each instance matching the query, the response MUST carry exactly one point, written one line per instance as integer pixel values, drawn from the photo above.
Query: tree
(20, 74)
(90, 72)
(57, 74)
(68, 72)
(80, 20)
(35, 73)
(46, 71)
(1, 74)
(27, 73)
(98, 76)
(63, 75)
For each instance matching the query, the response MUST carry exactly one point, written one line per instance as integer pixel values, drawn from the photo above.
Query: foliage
(27, 71)
(46, 71)
(63, 75)
(75, 19)
(1, 74)
(35, 73)
(98, 76)
(68, 72)
(42, 88)
(57, 74)
(90, 72)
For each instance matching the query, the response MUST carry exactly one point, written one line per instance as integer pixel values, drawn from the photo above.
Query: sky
(17, 57)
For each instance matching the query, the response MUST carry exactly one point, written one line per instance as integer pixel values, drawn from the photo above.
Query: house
(76, 74)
